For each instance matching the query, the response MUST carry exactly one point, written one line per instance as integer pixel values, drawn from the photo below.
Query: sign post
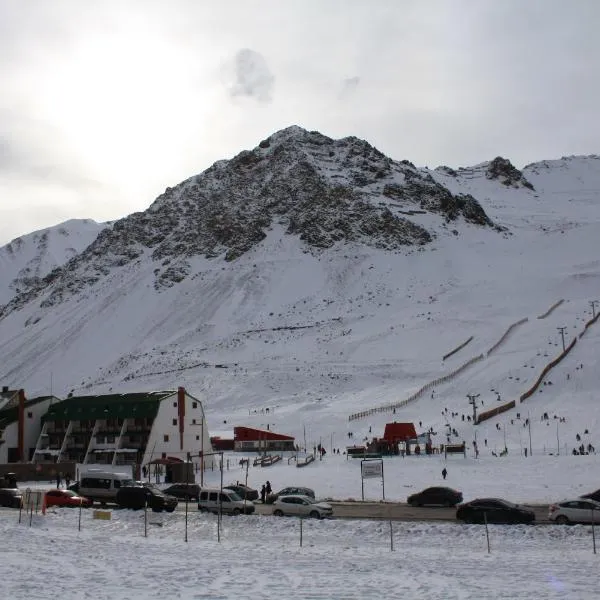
(371, 468)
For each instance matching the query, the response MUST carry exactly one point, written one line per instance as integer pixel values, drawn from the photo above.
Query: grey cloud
(252, 76)
(349, 86)
(26, 152)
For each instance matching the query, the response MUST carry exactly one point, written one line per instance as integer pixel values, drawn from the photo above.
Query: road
(387, 511)
(397, 511)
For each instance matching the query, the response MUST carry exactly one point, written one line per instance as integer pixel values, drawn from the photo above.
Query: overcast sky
(104, 104)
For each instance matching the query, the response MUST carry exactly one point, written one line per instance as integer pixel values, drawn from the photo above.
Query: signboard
(372, 469)
(103, 515)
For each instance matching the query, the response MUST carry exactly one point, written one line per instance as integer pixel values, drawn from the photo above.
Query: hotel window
(165, 438)
(194, 405)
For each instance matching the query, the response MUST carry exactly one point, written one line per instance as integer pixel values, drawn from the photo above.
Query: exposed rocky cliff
(322, 190)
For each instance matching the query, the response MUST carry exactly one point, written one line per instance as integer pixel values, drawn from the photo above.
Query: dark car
(191, 491)
(495, 511)
(74, 487)
(592, 496)
(243, 491)
(436, 496)
(136, 497)
(11, 497)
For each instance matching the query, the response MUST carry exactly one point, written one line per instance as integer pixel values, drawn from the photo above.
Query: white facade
(166, 440)
(32, 428)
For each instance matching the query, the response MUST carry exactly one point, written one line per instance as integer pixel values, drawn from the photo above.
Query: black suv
(191, 491)
(11, 497)
(136, 497)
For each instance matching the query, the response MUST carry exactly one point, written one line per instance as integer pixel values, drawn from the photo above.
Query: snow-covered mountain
(321, 278)
(29, 258)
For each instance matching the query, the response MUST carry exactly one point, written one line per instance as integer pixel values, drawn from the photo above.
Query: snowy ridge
(29, 258)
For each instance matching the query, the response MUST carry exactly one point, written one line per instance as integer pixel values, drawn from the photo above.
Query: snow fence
(506, 334)
(418, 393)
(457, 349)
(549, 311)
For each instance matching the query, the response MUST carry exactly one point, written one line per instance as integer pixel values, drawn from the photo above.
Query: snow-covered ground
(261, 557)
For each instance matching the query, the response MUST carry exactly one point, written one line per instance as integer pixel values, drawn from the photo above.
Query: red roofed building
(399, 432)
(246, 439)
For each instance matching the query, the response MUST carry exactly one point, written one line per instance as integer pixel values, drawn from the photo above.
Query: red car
(66, 498)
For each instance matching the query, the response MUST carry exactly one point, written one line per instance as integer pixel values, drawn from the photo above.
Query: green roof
(11, 415)
(124, 406)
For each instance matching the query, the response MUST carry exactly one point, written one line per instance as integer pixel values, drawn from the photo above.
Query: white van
(231, 504)
(102, 486)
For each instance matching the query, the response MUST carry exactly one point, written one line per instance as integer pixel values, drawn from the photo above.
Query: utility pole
(529, 424)
(202, 451)
(562, 335)
(593, 304)
(473, 401)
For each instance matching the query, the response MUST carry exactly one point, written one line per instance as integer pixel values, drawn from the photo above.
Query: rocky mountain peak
(322, 190)
(506, 173)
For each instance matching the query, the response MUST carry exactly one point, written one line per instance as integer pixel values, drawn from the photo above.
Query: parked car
(136, 497)
(11, 497)
(301, 506)
(74, 487)
(580, 510)
(592, 496)
(228, 501)
(495, 510)
(436, 496)
(66, 498)
(290, 491)
(243, 491)
(191, 491)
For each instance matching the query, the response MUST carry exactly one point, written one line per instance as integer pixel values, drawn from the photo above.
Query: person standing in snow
(444, 472)
(263, 493)
(268, 487)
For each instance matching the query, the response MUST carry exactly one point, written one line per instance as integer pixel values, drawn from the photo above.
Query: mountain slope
(227, 284)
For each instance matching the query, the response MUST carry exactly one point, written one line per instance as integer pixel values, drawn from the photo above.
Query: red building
(246, 439)
(220, 444)
(399, 432)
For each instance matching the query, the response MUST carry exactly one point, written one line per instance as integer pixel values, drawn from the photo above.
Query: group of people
(265, 490)
(59, 480)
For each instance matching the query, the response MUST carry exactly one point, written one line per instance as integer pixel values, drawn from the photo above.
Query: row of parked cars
(585, 509)
(233, 499)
